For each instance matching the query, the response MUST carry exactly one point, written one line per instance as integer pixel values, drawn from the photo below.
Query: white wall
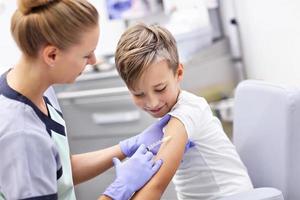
(110, 31)
(9, 53)
(270, 34)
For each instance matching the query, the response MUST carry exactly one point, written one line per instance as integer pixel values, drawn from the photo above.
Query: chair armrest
(257, 194)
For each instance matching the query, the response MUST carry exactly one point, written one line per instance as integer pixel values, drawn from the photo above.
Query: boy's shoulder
(188, 99)
(193, 111)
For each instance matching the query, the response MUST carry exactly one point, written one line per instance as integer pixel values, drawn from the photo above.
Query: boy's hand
(152, 134)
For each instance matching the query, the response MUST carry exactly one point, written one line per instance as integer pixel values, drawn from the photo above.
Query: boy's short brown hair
(142, 45)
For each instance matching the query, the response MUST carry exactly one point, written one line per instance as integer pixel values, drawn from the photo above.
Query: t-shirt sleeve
(193, 116)
(28, 168)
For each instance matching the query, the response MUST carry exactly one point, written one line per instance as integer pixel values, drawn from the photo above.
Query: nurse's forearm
(88, 165)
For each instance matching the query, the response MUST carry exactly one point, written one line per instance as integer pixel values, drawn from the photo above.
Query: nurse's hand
(132, 174)
(150, 135)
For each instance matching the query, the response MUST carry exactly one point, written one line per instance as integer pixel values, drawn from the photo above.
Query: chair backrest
(266, 133)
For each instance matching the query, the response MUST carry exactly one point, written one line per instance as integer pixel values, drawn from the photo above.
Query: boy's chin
(158, 115)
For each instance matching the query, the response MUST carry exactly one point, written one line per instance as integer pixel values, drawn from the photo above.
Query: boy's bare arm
(171, 153)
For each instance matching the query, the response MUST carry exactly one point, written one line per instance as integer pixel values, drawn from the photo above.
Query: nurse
(57, 39)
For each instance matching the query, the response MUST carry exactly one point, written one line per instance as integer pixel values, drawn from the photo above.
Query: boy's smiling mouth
(156, 110)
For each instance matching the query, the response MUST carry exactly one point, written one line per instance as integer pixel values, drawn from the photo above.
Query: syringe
(159, 142)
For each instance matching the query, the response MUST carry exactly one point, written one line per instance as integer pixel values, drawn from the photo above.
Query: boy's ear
(180, 72)
(49, 54)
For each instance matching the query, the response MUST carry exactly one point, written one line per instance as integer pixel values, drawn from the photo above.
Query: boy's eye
(160, 90)
(138, 95)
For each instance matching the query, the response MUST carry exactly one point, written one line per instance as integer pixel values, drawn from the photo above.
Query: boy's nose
(152, 102)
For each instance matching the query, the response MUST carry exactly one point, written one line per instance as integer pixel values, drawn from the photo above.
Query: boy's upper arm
(171, 152)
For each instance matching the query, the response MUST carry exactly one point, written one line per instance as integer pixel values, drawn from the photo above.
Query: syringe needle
(153, 145)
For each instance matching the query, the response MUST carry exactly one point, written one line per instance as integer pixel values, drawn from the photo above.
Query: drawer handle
(116, 117)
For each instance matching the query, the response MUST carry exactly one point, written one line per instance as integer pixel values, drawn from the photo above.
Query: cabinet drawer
(112, 115)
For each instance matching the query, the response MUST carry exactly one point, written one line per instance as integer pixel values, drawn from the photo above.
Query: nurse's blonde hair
(142, 45)
(37, 23)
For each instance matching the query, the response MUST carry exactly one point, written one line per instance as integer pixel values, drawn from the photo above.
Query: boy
(147, 60)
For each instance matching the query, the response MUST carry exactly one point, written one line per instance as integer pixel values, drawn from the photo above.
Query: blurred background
(220, 43)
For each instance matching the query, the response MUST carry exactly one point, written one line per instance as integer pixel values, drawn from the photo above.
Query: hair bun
(26, 6)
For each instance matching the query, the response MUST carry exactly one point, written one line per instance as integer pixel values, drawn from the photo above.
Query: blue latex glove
(132, 174)
(152, 134)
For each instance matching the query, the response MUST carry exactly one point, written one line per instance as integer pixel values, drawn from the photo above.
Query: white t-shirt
(212, 168)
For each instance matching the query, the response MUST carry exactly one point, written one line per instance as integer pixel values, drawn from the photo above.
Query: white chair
(267, 136)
